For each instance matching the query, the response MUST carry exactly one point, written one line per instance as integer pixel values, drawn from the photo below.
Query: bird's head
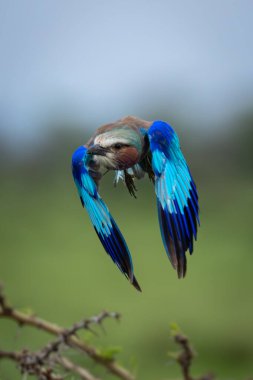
(118, 148)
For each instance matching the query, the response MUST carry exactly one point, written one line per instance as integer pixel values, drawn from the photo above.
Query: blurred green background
(50, 258)
(52, 262)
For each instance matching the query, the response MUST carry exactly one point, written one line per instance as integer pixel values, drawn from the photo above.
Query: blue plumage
(132, 147)
(177, 199)
(104, 224)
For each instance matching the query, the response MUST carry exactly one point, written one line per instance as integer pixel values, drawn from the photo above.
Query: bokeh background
(67, 67)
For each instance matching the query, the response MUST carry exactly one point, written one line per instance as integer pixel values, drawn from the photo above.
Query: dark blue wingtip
(115, 245)
(178, 231)
(172, 240)
(134, 282)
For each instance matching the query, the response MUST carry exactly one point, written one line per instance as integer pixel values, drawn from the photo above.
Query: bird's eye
(118, 146)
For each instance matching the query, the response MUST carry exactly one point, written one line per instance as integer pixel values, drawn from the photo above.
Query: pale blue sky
(101, 60)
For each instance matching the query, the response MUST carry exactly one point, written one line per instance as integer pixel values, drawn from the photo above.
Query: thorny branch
(43, 364)
(28, 364)
(186, 355)
(39, 363)
(65, 337)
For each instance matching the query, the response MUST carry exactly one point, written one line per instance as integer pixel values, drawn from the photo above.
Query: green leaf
(109, 353)
(27, 310)
(175, 329)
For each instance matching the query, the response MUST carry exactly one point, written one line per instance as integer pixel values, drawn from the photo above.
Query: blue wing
(177, 198)
(104, 224)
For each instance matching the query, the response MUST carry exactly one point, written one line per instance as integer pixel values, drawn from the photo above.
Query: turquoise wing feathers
(176, 193)
(104, 224)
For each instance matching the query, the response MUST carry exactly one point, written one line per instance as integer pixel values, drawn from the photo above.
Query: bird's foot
(129, 181)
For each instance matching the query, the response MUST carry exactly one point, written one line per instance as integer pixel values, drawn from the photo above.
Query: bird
(133, 148)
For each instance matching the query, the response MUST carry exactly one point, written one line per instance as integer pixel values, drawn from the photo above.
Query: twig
(185, 357)
(66, 335)
(80, 371)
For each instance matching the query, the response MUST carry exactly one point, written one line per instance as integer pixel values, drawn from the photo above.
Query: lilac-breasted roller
(132, 148)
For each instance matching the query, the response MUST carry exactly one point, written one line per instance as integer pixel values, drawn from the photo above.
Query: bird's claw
(129, 181)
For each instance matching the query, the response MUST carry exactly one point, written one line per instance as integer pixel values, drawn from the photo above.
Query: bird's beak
(97, 150)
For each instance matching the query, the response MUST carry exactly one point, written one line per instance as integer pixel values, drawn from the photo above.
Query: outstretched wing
(104, 224)
(177, 198)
